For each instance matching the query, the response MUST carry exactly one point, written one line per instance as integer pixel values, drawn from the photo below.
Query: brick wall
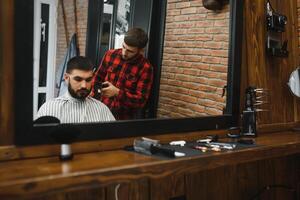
(194, 68)
(82, 10)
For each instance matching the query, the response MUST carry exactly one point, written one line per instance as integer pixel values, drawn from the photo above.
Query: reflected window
(115, 23)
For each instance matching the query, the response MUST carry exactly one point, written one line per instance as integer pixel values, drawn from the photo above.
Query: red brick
(213, 45)
(195, 42)
(197, 17)
(182, 77)
(196, 3)
(191, 86)
(174, 82)
(223, 38)
(171, 6)
(202, 66)
(183, 5)
(207, 88)
(195, 30)
(212, 111)
(220, 53)
(201, 51)
(211, 60)
(219, 68)
(183, 64)
(198, 37)
(193, 72)
(189, 10)
(222, 23)
(217, 82)
(202, 80)
(185, 51)
(197, 93)
(186, 112)
(216, 16)
(204, 23)
(193, 58)
(181, 18)
(215, 30)
(208, 74)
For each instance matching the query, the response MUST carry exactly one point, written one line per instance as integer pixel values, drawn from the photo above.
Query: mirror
(294, 82)
(168, 50)
(194, 60)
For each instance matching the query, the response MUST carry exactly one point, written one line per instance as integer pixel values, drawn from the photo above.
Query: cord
(268, 187)
(116, 191)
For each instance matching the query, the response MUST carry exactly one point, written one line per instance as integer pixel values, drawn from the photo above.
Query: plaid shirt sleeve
(99, 77)
(138, 97)
(134, 81)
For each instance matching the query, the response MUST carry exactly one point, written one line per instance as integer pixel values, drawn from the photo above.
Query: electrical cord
(269, 187)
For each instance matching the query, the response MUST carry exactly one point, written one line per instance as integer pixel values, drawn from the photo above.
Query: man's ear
(142, 51)
(66, 77)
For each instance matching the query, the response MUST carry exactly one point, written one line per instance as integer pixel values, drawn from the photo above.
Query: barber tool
(202, 148)
(150, 147)
(276, 23)
(179, 142)
(252, 106)
(234, 132)
(210, 144)
(222, 145)
(209, 138)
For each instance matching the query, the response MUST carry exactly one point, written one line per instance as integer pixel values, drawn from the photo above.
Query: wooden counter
(236, 174)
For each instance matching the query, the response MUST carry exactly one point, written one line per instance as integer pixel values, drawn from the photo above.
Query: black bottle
(249, 114)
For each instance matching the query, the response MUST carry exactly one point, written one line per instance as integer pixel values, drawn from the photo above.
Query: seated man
(76, 106)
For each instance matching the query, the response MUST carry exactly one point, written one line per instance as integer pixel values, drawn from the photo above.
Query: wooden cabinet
(272, 168)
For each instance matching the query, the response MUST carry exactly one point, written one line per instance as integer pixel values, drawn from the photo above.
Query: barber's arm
(139, 97)
(128, 98)
(99, 77)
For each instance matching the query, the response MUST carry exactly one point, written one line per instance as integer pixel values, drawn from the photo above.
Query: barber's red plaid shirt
(134, 79)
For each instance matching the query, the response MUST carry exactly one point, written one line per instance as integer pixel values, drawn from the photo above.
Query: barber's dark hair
(79, 62)
(136, 37)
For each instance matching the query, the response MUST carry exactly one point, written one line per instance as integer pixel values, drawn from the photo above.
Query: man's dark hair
(136, 37)
(79, 62)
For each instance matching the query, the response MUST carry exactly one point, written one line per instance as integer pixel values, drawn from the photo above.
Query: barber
(124, 77)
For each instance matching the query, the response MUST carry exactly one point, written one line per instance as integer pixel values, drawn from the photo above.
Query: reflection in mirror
(195, 51)
(113, 30)
(294, 82)
(195, 61)
(59, 34)
(183, 31)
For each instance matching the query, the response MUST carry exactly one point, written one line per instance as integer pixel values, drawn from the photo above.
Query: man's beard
(131, 58)
(80, 94)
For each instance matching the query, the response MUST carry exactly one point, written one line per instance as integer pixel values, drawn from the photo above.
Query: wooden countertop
(34, 176)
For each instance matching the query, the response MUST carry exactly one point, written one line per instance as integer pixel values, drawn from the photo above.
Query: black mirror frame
(27, 134)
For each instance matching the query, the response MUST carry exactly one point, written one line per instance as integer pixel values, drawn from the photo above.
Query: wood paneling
(267, 72)
(247, 180)
(14, 153)
(6, 72)
(257, 69)
(238, 174)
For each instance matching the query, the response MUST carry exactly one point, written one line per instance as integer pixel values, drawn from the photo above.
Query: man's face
(129, 52)
(79, 83)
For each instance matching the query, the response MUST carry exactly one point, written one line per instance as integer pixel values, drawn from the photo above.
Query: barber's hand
(109, 90)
